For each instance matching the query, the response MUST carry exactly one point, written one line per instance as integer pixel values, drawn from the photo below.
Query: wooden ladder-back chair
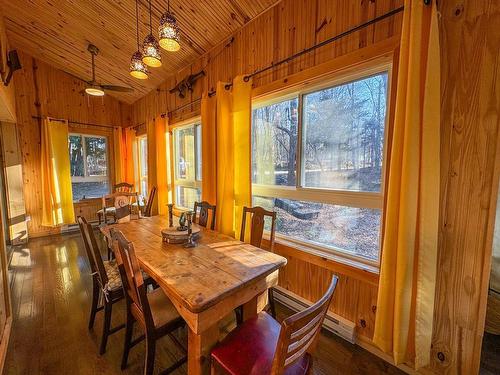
(257, 223)
(123, 187)
(202, 218)
(262, 346)
(108, 205)
(106, 283)
(154, 311)
(149, 204)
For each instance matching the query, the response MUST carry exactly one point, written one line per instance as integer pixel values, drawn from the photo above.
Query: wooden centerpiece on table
(180, 234)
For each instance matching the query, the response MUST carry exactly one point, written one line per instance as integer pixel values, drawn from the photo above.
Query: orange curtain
(118, 154)
(209, 149)
(128, 156)
(161, 126)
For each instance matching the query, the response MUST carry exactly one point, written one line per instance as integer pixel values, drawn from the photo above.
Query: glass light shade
(138, 69)
(151, 52)
(94, 91)
(169, 33)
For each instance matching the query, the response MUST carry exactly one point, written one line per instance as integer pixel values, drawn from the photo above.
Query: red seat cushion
(249, 349)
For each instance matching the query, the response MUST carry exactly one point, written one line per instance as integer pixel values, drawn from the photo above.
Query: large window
(187, 165)
(89, 166)
(317, 160)
(142, 145)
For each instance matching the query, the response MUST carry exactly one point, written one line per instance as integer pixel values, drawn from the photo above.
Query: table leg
(199, 346)
(250, 309)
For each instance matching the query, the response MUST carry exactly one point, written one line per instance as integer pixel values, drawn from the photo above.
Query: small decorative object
(150, 48)
(174, 236)
(190, 242)
(182, 222)
(169, 31)
(170, 215)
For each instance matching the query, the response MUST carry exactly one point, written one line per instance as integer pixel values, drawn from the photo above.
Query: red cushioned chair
(261, 346)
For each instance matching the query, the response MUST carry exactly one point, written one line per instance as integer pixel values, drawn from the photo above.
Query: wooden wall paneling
(42, 90)
(470, 122)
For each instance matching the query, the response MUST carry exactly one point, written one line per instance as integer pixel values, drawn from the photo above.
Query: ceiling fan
(95, 89)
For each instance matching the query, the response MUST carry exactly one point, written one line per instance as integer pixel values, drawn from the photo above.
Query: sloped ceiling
(59, 31)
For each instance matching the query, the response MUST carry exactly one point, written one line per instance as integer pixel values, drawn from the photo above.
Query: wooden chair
(105, 283)
(202, 219)
(123, 187)
(154, 311)
(149, 204)
(108, 205)
(262, 346)
(258, 215)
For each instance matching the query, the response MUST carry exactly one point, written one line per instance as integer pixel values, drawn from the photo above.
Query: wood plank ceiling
(58, 32)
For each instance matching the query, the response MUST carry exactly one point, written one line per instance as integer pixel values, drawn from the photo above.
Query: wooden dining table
(205, 283)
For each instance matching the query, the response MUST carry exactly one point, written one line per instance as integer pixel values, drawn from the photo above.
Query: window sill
(325, 259)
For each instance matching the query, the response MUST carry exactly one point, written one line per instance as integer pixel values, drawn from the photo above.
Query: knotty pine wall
(285, 29)
(41, 90)
(470, 158)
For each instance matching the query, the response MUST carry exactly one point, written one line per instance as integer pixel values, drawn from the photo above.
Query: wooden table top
(202, 276)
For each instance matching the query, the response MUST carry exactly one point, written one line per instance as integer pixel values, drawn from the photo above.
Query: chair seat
(250, 348)
(109, 211)
(114, 279)
(162, 309)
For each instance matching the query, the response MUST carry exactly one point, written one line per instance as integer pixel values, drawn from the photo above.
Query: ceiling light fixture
(150, 48)
(94, 91)
(138, 69)
(169, 31)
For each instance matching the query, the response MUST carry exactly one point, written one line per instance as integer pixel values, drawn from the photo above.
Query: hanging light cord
(137, 21)
(168, 6)
(150, 23)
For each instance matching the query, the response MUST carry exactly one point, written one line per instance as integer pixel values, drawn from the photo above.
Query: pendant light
(150, 48)
(138, 69)
(169, 31)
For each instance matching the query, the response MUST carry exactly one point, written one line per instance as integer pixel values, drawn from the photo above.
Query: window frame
(142, 177)
(196, 183)
(348, 198)
(86, 177)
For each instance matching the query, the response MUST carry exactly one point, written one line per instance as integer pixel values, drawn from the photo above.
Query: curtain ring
(246, 78)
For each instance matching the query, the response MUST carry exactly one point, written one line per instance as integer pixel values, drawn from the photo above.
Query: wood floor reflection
(51, 293)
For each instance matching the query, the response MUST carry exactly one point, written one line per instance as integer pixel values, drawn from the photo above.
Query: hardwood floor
(51, 293)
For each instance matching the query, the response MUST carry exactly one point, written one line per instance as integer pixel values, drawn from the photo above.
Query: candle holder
(170, 215)
(190, 241)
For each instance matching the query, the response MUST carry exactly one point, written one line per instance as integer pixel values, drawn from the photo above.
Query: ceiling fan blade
(117, 88)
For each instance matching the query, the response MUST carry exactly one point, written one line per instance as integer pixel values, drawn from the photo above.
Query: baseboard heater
(333, 323)
(72, 228)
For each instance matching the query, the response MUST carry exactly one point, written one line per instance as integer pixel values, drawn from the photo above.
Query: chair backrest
(149, 204)
(202, 219)
(257, 225)
(123, 187)
(93, 253)
(109, 200)
(299, 332)
(132, 280)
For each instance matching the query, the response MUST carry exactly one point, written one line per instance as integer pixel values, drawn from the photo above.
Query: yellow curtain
(57, 192)
(208, 149)
(161, 165)
(118, 154)
(225, 162)
(405, 304)
(128, 155)
(233, 154)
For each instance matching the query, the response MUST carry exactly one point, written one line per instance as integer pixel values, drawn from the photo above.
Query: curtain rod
(298, 54)
(79, 123)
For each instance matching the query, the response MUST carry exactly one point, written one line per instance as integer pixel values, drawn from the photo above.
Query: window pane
(76, 156)
(184, 154)
(185, 197)
(89, 189)
(144, 187)
(349, 229)
(198, 152)
(143, 156)
(95, 150)
(274, 143)
(344, 135)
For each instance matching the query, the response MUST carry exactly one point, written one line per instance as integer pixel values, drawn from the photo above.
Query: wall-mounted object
(187, 84)
(13, 63)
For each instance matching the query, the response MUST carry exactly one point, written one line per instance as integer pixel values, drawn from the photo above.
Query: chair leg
(99, 217)
(150, 355)
(95, 300)
(270, 297)
(105, 326)
(128, 338)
